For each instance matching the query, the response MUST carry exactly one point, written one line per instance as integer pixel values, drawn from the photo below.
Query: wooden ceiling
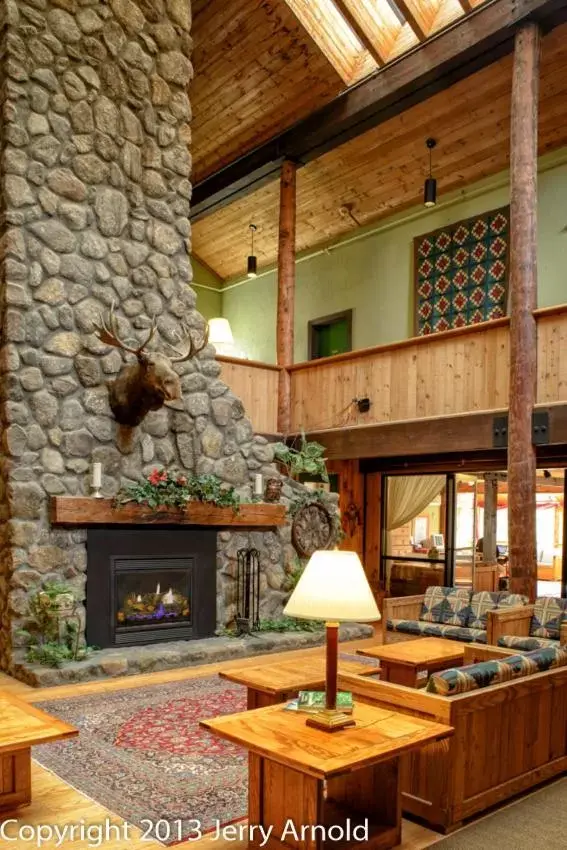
(262, 65)
(257, 71)
(382, 171)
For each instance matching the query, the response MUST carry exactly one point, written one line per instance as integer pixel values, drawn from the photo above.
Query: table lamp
(333, 587)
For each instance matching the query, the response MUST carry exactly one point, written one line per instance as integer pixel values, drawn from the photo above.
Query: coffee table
(410, 662)
(270, 684)
(22, 726)
(301, 777)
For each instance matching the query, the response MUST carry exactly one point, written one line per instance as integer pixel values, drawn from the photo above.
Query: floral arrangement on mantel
(172, 489)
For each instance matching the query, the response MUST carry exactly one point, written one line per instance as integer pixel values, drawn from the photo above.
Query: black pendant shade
(430, 192)
(430, 187)
(252, 270)
(252, 267)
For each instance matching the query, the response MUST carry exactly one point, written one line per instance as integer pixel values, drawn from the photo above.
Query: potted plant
(306, 463)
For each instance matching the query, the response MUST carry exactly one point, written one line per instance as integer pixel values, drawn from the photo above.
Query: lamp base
(330, 720)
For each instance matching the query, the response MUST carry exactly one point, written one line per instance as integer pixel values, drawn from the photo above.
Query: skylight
(358, 36)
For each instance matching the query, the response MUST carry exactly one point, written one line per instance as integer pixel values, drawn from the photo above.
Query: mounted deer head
(150, 382)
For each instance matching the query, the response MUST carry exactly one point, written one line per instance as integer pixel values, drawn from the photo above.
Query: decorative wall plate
(312, 529)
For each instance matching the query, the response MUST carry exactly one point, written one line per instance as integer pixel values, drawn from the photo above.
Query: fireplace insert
(150, 584)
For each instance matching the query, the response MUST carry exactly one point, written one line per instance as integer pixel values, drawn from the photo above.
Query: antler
(108, 333)
(193, 348)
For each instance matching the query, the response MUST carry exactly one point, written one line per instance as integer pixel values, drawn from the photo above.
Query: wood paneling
(83, 511)
(455, 373)
(351, 504)
(441, 375)
(257, 71)
(382, 171)
(256, 385)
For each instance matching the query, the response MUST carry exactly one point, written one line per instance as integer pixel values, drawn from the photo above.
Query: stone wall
(95, 175)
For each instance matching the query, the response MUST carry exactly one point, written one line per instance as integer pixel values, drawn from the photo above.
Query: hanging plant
(163, 488)
(307, 461)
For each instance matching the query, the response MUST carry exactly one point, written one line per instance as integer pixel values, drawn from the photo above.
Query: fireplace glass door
(150, 593)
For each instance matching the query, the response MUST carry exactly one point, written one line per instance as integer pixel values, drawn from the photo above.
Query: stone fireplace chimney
(95, 170)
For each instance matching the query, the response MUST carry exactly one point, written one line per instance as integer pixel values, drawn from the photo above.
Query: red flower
(156, 477)
(182, 480)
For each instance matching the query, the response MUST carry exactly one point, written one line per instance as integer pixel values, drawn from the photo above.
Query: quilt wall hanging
(461, 273)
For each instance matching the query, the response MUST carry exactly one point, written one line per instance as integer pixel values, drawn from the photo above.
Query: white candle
(258, 484)
(97, 476)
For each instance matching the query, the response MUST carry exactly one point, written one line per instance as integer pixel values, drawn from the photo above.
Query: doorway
(330, 335)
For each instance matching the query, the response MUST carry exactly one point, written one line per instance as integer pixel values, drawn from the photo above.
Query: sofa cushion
(444, 630)
(445, 604)
(511, 600)
(474, 676)
(457, 606)
(525, 643)
(481, 603)
(549, 614)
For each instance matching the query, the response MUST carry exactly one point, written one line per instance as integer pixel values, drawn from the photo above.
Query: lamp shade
(333, 586)
(220, 331)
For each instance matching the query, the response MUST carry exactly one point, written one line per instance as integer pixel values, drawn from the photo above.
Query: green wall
(374, 274)
(207, 286)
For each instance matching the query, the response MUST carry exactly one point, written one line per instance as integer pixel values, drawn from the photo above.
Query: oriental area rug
(142, 754)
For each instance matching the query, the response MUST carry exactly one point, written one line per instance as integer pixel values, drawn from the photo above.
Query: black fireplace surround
(150, 584)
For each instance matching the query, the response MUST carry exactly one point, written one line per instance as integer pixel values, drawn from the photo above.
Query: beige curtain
(409, 495)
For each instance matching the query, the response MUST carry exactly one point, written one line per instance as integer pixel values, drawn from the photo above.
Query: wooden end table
(21, 727)
(301, 777)
(274, 683)
(410, 662)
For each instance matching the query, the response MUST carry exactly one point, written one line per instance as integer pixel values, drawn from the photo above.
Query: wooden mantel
(83, 511)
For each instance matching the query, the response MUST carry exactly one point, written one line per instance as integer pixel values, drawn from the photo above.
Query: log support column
(286, 291)
(523, 301)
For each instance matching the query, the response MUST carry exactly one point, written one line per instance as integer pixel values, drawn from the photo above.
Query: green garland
(175, 490)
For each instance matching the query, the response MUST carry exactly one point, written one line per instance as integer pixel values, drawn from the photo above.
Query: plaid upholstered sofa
(509, 731)
(533, 626)
(448, 612)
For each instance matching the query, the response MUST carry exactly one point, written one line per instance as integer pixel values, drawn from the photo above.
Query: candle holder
(95, 492)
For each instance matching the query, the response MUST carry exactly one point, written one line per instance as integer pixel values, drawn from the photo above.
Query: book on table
(314, 701)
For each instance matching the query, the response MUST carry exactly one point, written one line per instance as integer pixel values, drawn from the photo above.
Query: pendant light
(430, 187)
(252, 270)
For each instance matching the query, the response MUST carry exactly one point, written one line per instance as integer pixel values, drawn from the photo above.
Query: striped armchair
(532, 627)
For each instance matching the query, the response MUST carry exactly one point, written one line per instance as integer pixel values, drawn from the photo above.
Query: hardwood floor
(56, 804)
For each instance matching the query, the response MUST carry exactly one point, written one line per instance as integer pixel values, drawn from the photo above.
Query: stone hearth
(95, 175)
(128, 661)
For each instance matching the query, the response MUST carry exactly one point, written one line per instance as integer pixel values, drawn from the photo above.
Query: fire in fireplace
(147, 585)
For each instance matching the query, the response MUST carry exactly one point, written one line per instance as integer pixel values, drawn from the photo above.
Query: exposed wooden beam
(286, 290)
(411, 12)
(466, 6)
(523, 302)
(360, 32)
(470, 44)
(472, 432)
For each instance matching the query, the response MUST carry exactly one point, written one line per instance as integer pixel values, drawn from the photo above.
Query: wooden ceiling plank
(364, 37)
(474, 42)
(332, 33)
(411, 11)
(466, 6)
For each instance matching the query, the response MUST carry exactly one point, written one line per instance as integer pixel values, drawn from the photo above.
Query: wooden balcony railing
(458, 371)
(256, 385)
